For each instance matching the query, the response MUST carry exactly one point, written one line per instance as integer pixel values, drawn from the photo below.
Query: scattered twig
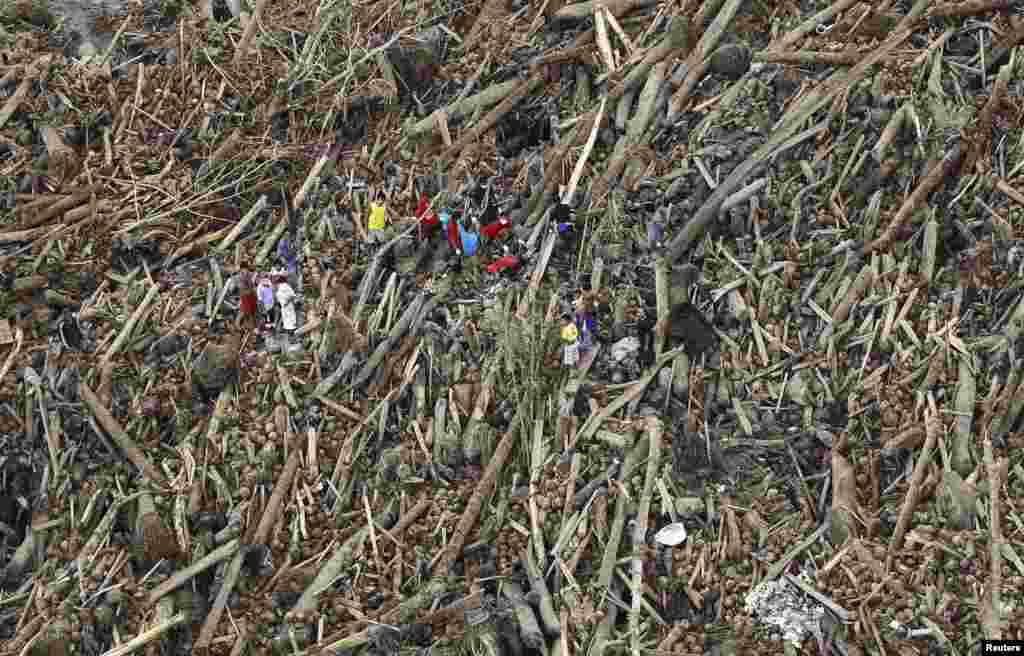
(953, 9)
(823, 17)
(1017, 196)
(149, 635)
(933, 426)
(939, 172)
(129, 326)
(549, 244)
(611, 553)
(546, 609)
(31, 72)
(837, 610)
(19, 336)
(56, 209)
(334, 566)
(529, 629)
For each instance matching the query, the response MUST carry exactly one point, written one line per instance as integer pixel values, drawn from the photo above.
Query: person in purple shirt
(585, 322)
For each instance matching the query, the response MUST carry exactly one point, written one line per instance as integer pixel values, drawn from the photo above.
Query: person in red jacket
(427, 218)
(496, 229)
(247, 298)
(508, 263)
(454, 237)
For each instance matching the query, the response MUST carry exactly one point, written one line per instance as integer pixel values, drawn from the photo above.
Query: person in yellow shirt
(378, 214)
(571, 349)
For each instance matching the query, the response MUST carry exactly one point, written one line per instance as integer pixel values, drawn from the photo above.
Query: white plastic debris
(672, 535)
(781, 605)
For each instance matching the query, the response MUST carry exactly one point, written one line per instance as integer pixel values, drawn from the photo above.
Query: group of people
(466, 232)
(266, 300)
(269, 299)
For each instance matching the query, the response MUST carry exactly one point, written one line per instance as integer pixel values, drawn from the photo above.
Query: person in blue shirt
(470, 237)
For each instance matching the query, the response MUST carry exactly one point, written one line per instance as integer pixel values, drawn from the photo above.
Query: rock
(731, 61)
(171, 345)
(688, 326)
(216, 367)
(223, 10)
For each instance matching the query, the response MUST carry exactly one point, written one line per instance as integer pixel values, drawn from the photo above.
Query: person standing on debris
(285, 297)
(288, 257)
(452, 224)
(378, 215)
(570, 338)
(655, 235)
(265, 296)
(563, 225)
(585, 321)
(427, 218)
(561, 216)
(246, 298)
(469, 237)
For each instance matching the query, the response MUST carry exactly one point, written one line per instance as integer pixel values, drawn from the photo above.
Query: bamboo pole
(124, 442)
(129, 326)
(460, 109)
(250, 31)
(654, 438)
(611, 552)
(447, 556)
